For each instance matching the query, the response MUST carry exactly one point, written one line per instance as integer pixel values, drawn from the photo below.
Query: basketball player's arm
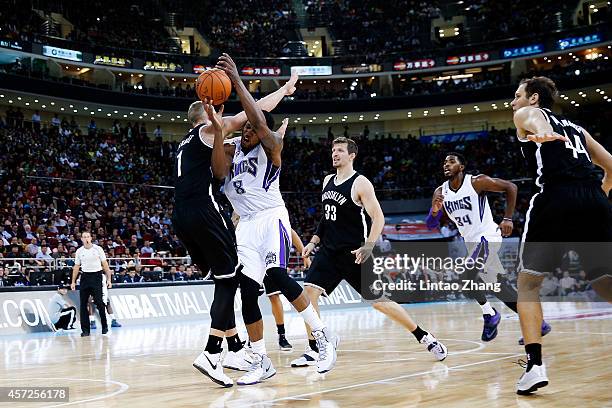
(299, 247)
(222, 153)
(367, 197)
(271, 141)
(531, 124)
(437, 209)
(482, 183)
(316, 238)
(267, 103)
(602, 158)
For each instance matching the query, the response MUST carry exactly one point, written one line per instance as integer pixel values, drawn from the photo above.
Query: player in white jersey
(463, 199)
(251, 168)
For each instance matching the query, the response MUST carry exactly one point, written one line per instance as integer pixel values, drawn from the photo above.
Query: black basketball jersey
(192, 168)
(560, 162)
(345, 224)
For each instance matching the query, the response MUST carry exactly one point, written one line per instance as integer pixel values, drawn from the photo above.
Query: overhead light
(92, 112)
(99, 110)
(43, 106)
(125, 116)
(35, 100)
(140, 117)
(108, 114)
(19, 98)
(329, 117)
(309, 120)
(115, 112)
(27, 104)
(62, 108)
(184, 120)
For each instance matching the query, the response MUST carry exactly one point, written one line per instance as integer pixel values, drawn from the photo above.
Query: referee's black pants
(91, 285)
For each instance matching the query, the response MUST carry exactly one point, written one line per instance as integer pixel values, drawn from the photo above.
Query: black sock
(280, 328)
(534, 354)
(214, 344)
(233, 343)
(419, 333)
(313, 345)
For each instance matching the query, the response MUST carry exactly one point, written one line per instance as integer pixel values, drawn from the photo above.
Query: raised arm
(221, 160)
(437, 209)
(531, 124)
(482, 183)
(267, 103)
(602, 158)
(271, 140)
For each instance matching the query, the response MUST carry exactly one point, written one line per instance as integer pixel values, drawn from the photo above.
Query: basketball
(215, 85)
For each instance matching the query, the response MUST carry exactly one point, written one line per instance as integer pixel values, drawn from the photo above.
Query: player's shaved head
(195, 113)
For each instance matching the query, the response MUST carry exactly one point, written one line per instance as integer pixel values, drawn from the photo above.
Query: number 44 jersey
(252, 183)
(469, 210)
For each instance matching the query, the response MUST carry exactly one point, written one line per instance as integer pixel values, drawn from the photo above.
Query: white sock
(311, 318)
(92, 318)
(259, 347)
(111, 316)
(487, 309)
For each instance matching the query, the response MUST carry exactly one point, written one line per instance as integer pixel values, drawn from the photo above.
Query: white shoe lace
(256, 363)
(322, 346)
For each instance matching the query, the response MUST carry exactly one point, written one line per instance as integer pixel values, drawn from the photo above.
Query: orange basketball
(215, 85)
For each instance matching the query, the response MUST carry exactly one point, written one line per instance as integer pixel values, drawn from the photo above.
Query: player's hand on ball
(73, 286)
(546, 137)
(227, 64)
(215, 117)
(363, 253)
(506, 227)
(290, 85)
(308, 250)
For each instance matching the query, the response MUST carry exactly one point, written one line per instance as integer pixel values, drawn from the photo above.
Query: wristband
(508, 219)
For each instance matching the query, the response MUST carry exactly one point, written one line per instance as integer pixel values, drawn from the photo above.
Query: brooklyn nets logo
(270, 258)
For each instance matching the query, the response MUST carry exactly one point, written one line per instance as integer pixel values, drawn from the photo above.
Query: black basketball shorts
(573, 216)
(330, 267)
(208, 236)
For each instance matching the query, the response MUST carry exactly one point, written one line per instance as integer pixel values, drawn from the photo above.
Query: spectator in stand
(147, 248)
(567, 283)
(36, 121)
(55, 121)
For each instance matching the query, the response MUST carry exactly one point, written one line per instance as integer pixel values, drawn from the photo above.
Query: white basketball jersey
(469, 211)
(252, 184)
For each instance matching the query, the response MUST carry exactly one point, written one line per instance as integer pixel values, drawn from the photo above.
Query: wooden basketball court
(379, 364)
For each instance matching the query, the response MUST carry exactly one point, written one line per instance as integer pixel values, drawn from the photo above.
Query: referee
(91, 259)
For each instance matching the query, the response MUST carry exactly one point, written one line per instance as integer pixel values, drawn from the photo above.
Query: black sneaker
(283, 343)
(84, 334)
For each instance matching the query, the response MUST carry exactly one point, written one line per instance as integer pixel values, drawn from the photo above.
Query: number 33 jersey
(252, 184)
(469, 210)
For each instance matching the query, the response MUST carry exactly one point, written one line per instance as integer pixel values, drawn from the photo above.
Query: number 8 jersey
(252, 184)
(344, 224)
(469, 210)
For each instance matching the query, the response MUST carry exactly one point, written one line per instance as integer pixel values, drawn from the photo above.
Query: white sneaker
(327, 350)
(210, 365)
(435, 347)
(531, 380)
(309, 358)
(261, 369)
(239, 360)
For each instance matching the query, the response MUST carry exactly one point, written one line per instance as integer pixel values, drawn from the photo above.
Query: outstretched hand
(290, 85)
(283, 128)
(215, 117)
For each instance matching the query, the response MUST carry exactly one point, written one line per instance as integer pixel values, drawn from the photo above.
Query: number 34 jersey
(469, 210)
(252, 184)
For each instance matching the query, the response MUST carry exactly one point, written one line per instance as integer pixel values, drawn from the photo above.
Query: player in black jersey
(569, 207)
(204, 230)
(351, 223)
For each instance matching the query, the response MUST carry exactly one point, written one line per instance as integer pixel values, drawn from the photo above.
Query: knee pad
(249, 292)
(222, 308)
(288, 287)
